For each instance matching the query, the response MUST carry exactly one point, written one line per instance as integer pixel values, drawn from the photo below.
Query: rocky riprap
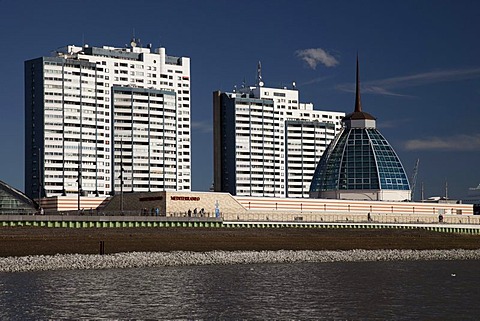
(179, 258)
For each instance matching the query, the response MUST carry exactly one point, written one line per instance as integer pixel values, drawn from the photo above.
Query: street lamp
(121, 187)
(79, 179)
(121, 175)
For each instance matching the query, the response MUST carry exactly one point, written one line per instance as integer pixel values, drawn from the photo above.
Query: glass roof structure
(359, 159)
(13, 201)
(360, 163)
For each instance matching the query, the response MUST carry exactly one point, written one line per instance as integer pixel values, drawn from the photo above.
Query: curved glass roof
(359, 159)
(13, 201)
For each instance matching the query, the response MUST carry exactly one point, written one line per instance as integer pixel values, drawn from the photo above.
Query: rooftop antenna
(358, 103)
(133, 43)
(423, 193)
(446, 189)
(259, 75)
(414, 178)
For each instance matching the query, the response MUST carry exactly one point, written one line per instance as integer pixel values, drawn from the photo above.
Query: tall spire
(359, 118)
(358, 103)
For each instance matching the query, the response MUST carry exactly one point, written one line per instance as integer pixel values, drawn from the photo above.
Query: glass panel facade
(357, 170)
(13, 202)
(326, 173)
(390, 170)
(359, 159)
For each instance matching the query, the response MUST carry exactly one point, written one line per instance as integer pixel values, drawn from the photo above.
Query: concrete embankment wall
(356, 222)
(206, 209)
(100, 221)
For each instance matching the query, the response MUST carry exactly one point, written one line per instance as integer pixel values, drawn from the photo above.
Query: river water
(412, 290)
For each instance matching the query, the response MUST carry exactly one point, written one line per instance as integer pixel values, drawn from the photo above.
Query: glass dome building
(359, 163)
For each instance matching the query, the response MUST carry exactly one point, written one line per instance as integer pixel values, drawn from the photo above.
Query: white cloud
(202, 126)
(365, 88)
(388, 86)
(381, 91)
(426, 78)
(449, 144)
(400, 122)
(314, 56)
(313, 81)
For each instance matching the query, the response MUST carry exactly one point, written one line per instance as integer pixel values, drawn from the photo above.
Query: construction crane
(414, 177)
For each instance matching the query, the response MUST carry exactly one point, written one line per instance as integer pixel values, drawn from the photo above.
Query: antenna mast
(423, 193)
(414, 178)
(259, 74)
(446, 189)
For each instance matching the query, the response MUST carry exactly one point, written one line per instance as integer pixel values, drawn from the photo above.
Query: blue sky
(419, 65)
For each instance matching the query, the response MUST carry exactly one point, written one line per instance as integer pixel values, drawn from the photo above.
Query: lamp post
(79, 179)
(39, 176)
(121, 175)
(121, 188)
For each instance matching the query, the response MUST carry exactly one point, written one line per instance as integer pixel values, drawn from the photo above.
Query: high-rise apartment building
(267, 143)
(103, 120)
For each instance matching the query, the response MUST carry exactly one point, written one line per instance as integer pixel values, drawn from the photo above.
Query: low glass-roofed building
(360, 164)
(13, 201)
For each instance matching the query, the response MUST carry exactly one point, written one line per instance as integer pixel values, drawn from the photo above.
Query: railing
(135, 213)
(138, 213)
(354, 218)
(267, 216)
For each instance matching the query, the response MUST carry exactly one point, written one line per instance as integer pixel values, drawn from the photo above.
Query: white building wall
(278, 142)
(80, 124)
(259, 166)
(74, 129)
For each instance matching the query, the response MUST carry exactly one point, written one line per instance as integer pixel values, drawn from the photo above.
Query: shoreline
(24, 241)
(37, 249)
(186, 258)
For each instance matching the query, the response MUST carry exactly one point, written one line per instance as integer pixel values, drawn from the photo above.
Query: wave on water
(181, 258)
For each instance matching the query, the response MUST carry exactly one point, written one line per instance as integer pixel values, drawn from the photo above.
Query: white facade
(106, 113)
(275, 144)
